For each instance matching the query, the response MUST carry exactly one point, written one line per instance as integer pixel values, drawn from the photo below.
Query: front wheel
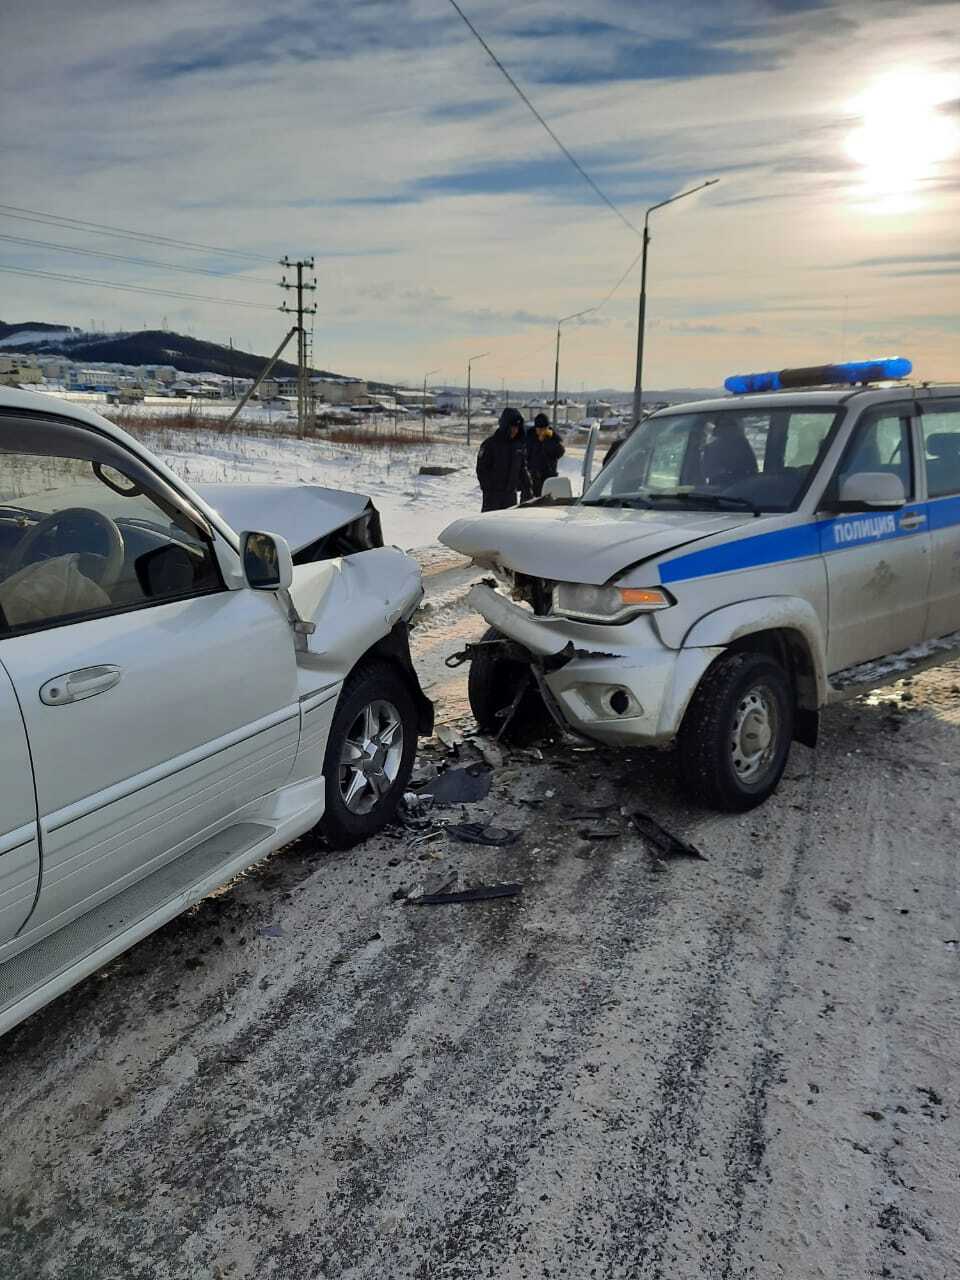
(496, 684)
(370, 754)
(736, 735)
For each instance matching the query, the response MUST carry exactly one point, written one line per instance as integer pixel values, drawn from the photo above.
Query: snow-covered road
(742, 1068)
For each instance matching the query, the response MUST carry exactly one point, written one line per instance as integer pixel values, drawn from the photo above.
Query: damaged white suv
(738, 565)
(177, 699)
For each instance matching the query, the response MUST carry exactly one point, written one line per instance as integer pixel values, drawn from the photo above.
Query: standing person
(544, 451)
(501, 463)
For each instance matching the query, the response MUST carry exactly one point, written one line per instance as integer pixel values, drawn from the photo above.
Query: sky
(378, 136)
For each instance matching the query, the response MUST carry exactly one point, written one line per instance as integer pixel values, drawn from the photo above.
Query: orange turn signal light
(649, 596)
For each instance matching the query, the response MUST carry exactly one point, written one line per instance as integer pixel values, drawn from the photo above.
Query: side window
(941, 446)
(81, 536)
(666, 459)
(881, 442)
(806, 433)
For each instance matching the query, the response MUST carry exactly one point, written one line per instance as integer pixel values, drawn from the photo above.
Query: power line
(523, 97)
(619, 282)
(140, 262)
(136, 288)
(78, 224)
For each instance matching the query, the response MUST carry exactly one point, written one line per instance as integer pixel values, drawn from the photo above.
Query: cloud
(474, 109)
(657, 60)
(901, 260)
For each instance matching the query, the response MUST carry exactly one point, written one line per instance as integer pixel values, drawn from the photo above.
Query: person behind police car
(502, 463)
(544, 451)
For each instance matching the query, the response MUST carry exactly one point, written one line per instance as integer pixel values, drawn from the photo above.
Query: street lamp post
(423, 402)
(642, 316)
(469, 385)
(556, 364)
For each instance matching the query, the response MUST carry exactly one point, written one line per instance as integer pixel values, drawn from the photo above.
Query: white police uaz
(738, 565)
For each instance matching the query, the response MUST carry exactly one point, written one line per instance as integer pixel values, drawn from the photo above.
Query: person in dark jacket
(544, 451)
(502, 463)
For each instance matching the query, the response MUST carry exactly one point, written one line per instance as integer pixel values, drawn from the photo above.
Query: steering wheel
(108, 567)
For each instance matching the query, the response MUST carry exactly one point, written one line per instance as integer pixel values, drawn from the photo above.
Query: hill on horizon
(145, 346)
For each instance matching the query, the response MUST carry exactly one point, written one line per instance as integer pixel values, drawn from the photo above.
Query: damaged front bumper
(616, 684)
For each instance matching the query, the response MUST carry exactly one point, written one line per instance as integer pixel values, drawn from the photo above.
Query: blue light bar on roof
(885, 369)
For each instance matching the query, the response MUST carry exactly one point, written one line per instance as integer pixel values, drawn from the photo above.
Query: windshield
(743, 458)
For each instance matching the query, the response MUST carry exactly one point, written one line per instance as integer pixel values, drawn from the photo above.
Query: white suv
(740, 564)
(177, 699)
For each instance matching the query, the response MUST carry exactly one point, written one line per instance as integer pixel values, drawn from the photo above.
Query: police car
(739, 565)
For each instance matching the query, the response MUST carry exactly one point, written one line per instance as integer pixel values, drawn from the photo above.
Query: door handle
(912, 520)
(77, 685)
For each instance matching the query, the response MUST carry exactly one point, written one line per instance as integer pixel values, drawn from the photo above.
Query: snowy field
(414, 508)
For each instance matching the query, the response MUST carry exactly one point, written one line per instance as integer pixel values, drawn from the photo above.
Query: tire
(742, 697)
(354, 811)
(492, 686)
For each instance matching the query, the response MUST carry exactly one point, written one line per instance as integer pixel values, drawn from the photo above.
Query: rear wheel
(369, 756)
(736, 735)
(493, 685)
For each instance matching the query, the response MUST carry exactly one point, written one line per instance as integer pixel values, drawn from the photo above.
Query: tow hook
(471, 651)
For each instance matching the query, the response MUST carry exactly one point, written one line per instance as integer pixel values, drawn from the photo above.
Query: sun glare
(903, 137)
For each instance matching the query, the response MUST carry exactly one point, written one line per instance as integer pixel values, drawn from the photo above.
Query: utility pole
(302, 287)
(642, 308)
(423, 402)
(556, 367)
(233, 382)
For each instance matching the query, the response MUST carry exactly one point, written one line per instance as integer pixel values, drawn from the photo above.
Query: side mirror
(557, 487)
(267, 562)
(870, 491)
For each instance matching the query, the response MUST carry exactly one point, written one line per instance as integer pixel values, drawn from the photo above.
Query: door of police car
(877, 562)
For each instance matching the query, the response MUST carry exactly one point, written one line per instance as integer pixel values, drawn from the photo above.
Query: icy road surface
(744, 1067)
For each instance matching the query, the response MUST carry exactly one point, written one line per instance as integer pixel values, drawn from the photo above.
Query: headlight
(606, 604)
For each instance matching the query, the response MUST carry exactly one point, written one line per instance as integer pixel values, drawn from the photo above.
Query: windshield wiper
(710, 500)
(623, 500)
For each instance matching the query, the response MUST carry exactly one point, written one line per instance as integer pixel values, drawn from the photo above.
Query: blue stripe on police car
(818, 537)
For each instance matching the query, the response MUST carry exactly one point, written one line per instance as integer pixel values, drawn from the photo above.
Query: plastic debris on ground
(460, 786)
(416, 803)
(663, 844)
(479, 893)
(450, 738)
(489, 751)
(478, 833)
(423, 771)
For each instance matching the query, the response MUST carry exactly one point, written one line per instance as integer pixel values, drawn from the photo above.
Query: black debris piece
(664, 843)
(438, 471)
(481, 893)
(600, 833)
(478, 833)
(460, 786)
(589, 812)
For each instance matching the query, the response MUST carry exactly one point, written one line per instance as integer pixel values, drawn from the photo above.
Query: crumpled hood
(577, 543)
(301, 513)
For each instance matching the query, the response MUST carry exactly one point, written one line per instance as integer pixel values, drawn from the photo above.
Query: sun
(903, 137)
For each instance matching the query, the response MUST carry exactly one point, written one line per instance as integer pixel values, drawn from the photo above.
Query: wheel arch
(787, 630)
(394, 648)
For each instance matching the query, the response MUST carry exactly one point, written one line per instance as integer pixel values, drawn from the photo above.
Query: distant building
(414, 399)
(568, 412)
(337, 390)
(449, 401)
(599, 409)
(18, 371)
